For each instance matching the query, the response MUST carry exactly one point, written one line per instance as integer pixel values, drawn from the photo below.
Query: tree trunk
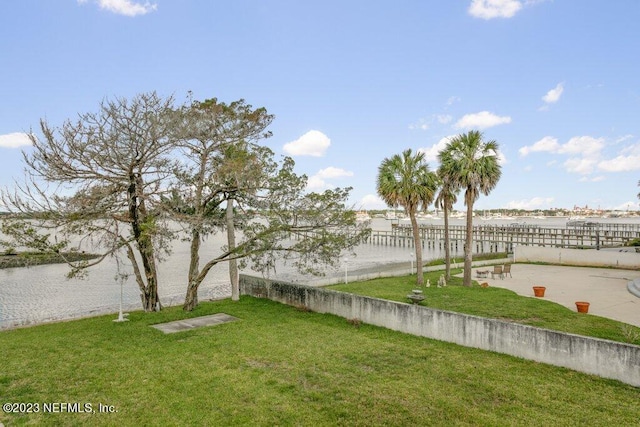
(418, 247)
(138, 217)
(194, 258)
(151, 301)
(145, 297)
(231, 241)
(447, 245)
(191, 299)
(468, 241)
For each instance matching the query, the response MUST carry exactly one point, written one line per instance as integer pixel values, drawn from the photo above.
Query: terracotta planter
(539, 291)
(582, 306)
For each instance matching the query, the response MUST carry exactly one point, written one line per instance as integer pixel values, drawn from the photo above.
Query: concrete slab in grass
(195, 322)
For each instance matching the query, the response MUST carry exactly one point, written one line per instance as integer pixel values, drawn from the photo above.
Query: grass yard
(282, 366)
(496, 303)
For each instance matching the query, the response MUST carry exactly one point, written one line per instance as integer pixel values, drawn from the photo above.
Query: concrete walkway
(604, 288)
(194, 322)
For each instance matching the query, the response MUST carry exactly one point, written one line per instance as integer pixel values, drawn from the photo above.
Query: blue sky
(555, 83)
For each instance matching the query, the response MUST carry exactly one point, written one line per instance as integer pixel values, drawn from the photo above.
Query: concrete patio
(604, 288)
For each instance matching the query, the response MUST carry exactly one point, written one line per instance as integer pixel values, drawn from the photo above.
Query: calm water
(42, 293)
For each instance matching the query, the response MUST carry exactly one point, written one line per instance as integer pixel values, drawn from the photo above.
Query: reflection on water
(41, 293)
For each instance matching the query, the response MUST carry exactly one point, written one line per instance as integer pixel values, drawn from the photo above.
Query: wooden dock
(494, 238)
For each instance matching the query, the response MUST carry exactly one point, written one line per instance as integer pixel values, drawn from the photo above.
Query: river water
(43, 293)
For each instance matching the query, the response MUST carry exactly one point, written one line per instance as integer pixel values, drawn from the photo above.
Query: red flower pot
(539, 291)
(582, 306)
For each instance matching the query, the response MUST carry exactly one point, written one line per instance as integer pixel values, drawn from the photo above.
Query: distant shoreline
(28, 259)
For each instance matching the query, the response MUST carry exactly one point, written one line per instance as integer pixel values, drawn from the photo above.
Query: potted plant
(539, 291)
(582, 306)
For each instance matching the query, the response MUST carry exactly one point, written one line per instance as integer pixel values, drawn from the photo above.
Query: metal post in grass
(122, 317)
(346, 270)
(411, 256)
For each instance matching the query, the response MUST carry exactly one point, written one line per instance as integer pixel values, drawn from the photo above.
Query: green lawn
(282, 366)
(497, 303)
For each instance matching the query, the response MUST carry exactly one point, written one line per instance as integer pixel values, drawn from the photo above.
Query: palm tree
(405, 180)
(472, 164)
(445, 200)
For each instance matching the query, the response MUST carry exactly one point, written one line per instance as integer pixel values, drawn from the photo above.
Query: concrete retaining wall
(634, 287)
(590, 257)
(589, 355)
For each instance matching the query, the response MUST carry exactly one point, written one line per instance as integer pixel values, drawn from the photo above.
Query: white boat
(424, 215)
(362, 216)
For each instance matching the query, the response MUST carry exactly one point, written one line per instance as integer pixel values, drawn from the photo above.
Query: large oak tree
(100, 178)
(235, 183)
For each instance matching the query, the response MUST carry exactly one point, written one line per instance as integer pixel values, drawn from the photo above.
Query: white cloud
(625, 206)
(315, 183)
(594, 179)
(633, 149)
(624, 138)
(318, 181)
(431, 153)
(14, 140)
(548, 143)
(481, 120)
(621, 164)
(583, 166)
(489, 9)
(421, 124)
(502, 159)
(313, 143)
(332, 172)
(371, 201)
(444, 118)
(125, 7)
(452, 100)
(554, 94)
(425, 123)
(585, 145)
(534, 203)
